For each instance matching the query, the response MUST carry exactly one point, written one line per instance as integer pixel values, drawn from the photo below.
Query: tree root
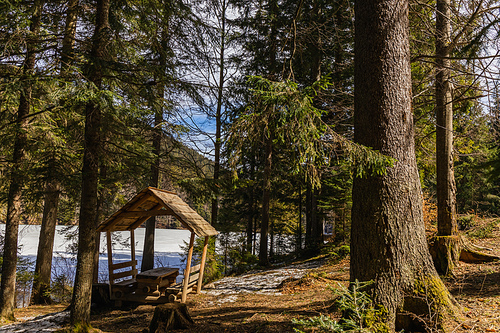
(469, 255)
(446, 251)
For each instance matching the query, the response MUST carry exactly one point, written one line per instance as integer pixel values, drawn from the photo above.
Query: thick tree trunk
(388, 243)
(80, 304)
(41, 283)
(266, 198)
(446, 198)
(9, 265)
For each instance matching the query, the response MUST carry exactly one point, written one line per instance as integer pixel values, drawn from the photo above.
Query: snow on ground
(260, 282)
(227, 289)
(46, 323)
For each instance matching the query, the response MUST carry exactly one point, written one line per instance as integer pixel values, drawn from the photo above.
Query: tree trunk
(446, 199)
(80, 304)
(69, 36)
(388, 243)
(43, 268)
(266, 198)
(271, 240)
(149, 234)
(298, 248)
(41, 283)
(9, 265)
(218, 114)
(309, 219)
(158, 95)
(317, 224)
(251, 208)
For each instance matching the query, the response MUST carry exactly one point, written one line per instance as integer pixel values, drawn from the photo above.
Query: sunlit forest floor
(475, 286)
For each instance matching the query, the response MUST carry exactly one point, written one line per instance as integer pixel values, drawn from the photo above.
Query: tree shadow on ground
(255, 318)
(475, 284)
(229, 318)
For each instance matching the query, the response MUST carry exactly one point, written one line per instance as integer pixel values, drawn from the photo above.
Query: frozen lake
(168, 249)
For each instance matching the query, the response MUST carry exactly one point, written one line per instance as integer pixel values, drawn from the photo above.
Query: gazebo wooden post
(110, 259)
(188, 268)
(132, 249)
(202, 264)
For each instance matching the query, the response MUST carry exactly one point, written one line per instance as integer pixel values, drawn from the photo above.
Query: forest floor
(267, 301)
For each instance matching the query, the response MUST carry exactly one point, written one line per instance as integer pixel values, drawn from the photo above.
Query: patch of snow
(259, 282)
(226, 299)
(46, 323)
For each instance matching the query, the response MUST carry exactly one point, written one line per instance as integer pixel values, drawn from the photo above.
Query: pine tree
(41, 282)
(8, 282)
(80, 304)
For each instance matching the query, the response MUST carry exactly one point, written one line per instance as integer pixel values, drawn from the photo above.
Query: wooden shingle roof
(155, 202)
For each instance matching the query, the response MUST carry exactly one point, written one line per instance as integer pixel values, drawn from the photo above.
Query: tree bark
(80, 304)
(446, 197)
(388, 243)
(149, 234)
(9, 265)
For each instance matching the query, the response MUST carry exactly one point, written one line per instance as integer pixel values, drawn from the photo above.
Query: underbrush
(358, 313)
(483, 231)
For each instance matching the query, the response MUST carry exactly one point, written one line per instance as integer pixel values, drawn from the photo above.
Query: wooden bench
(191, 278)
(127, 278)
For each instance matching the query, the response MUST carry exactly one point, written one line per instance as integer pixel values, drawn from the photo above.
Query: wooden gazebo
(156, 285)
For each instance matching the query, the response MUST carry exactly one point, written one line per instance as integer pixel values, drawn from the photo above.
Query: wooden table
(157, 279)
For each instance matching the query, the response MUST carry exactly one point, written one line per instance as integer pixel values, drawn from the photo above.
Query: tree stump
(100, 295)
(170, 316)
(445, 252)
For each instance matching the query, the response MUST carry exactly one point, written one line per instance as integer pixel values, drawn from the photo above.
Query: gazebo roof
(155, 202)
